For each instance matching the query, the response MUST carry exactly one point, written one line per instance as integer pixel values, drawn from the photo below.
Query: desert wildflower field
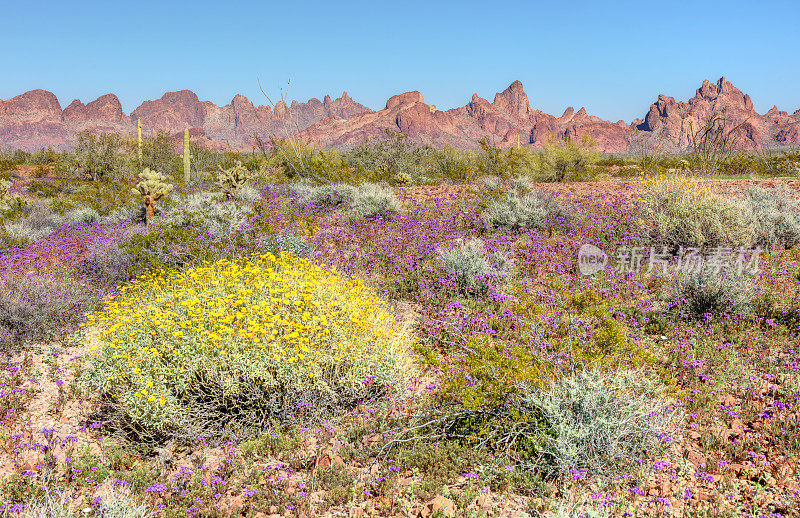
(275, 338)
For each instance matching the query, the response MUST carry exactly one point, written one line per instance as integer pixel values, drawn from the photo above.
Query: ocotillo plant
(152, 187)
(187, 157)
(233, 179)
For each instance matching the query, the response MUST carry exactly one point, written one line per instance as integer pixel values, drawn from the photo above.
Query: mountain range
(35, 119)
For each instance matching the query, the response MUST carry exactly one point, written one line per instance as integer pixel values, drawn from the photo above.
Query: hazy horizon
(614, 61)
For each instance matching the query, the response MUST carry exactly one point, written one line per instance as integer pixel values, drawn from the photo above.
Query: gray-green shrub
(285, 241)
(38, 222)
(533, 210)
(210, 211)
(596, 420)
(473, 268)
(329, 196)
(372, 200)
(775, 214)
(704, 290)
(84, 215)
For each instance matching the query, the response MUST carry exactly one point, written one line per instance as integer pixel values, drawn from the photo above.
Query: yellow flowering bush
(226, 349)
(678, 210)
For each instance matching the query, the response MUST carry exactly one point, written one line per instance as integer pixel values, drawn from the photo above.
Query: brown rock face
(174, 112)
(106, 108)
(36, 104)
(34, 119)
(513, 101)
(608, 136)
(505, 122)
(674, 122)
(406, 98)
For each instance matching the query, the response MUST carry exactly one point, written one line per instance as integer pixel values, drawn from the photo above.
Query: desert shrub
(247, 194)
(593, 420)
(39, 308)
(741, 163)
(452, 165)
(98, 155)
(84, 215)
(784, 163)
(103, 196)
(564, 157)
(493, 372)
(125, 214)
(533, 210)
(323, 196)
(394, 158)
(283, 241)
(10, 204)
(48, 507)
(107, 263)
(119, 505)
(116, 505)
(157, 155)
(371, 200)
(7, 162)
(235, 347)
(474, 269)
(298, 161)
(169, 247)
(705, 290)
(43, 189)
(38, 222)
(775, 215)
(208, 211)
(678, 211)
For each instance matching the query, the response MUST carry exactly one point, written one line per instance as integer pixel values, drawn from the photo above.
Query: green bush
(283, 241)
(394, 159)
(98, 156)
(562, 158)
(103, 196)
(453, 166)
(300, 161)
(493, 372)
(169, 247)
(234, 348)
(157, 155)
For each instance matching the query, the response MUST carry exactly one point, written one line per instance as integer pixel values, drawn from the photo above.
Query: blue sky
(614, 58)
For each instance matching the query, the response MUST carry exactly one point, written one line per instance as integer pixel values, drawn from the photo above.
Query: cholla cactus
(152, 187)
(233, 179)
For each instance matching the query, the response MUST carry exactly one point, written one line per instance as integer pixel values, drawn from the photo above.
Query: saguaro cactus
(233, 179)
(187, 157)
(139, 147)
(152, 187)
